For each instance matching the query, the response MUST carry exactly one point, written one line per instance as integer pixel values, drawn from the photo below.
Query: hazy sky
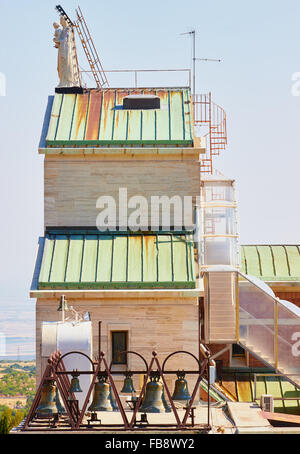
(259, 44)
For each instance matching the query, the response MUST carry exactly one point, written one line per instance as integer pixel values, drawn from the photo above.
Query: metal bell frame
(56, 370)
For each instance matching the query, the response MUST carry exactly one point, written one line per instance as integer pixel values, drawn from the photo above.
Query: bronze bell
(128, 384)
(152, 402)
(60, 408)
(47, 405)
(102, 396)
(113, 400)
(181, 391)
(75, 385)
(164, 401)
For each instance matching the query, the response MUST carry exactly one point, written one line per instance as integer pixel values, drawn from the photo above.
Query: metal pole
(208, 394)
(193, 32)
(99, 338)
(63, 308)
(199, 330)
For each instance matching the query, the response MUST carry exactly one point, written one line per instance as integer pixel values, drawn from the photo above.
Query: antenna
(193, 34)
(90, 51)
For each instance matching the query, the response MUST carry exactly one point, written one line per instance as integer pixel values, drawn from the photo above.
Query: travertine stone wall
(163, 324)
(73, 185)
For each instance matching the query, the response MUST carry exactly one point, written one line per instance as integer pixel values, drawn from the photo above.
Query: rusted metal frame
(168, 392)
(133, 372)
(50, 374)
(141, 395)
(65, 373)
(87, 398)
(210, 132)
(73, 352)
(99, 335)
(69, 408)
(36, 399)
(276, 334)
(201, 372)
(65, 382)
(199, 328)
(177, 352)
(117, 397)
(121, 372)
(63, 385)
(119, 403)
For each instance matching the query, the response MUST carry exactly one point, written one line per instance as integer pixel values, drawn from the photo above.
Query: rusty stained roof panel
(97, 118)
(117, 261)
(272, 262)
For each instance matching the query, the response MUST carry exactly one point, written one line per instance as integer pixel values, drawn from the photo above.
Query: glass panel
(218, 191)
(288, 342)
(257, 320)
(119, 344)
(219, 221)
(220, 251)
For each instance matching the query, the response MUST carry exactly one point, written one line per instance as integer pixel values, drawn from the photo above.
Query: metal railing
(268, 328)
(211, 115)
(136, 72)
(265, 326)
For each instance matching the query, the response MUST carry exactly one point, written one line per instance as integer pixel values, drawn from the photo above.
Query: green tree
(4, 426)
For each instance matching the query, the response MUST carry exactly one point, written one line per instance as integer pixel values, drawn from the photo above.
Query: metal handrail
(137, 71)
(276, 302)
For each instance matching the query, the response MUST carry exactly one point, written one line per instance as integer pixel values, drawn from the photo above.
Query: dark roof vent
(141, 102)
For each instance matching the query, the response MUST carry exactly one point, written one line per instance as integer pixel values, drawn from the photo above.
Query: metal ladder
(90, 51)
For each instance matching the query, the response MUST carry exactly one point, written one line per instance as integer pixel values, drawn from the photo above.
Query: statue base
(69, 90)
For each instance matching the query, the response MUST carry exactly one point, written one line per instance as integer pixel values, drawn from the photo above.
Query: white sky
(258, 43)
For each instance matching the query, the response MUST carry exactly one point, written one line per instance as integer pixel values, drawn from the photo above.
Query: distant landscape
(17, 390)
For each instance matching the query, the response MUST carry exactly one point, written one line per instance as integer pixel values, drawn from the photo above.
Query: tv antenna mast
(193, 34)
(88, 46)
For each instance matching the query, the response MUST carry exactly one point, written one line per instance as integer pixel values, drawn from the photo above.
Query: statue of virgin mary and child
(64, 42)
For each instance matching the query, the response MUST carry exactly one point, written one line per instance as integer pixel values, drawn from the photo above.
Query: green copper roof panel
(293, 259)
(55, 113)
(266, 259)
(97, 118)
(117, 261)
(66, 112)
(272, 262)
